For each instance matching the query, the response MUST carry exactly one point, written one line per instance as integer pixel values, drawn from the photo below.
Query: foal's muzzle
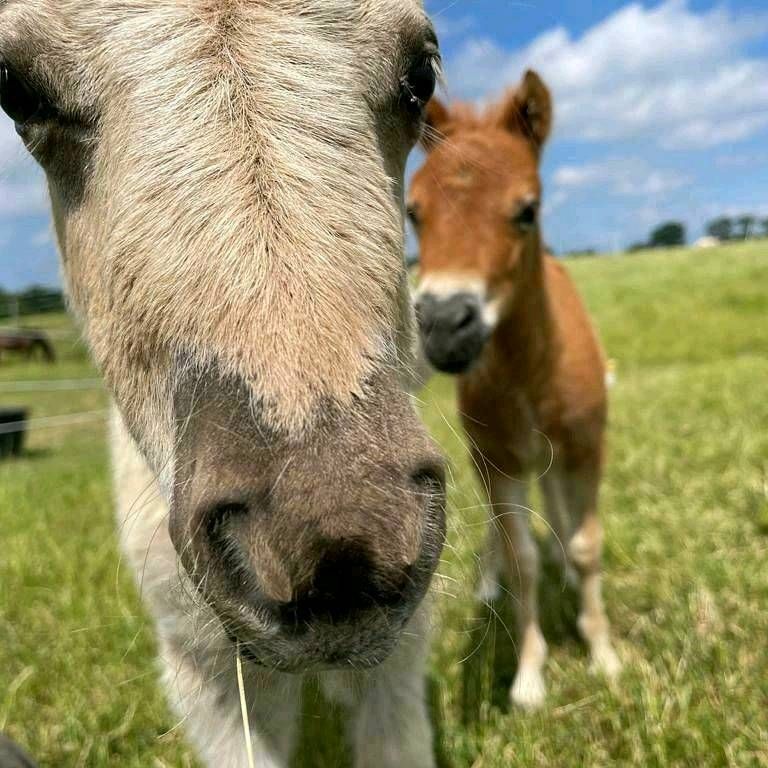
(452, 329)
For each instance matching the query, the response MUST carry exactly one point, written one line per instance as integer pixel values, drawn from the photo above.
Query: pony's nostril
(224, 549)
(343, 574)
(429, 478)
(344, 584)
(218, 522)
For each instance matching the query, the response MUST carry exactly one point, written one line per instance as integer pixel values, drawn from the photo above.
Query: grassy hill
(685, 504)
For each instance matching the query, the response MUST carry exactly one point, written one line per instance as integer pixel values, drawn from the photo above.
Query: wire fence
(51, 385)
(45, 422)
(21, 421)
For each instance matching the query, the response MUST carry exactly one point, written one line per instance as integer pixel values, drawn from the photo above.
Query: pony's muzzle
(326, 542)
(304, 570)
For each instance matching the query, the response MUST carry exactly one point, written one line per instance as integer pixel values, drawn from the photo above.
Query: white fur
(228, 193)
(390, 725)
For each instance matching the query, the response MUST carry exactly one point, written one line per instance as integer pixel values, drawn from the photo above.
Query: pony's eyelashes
(418, 86)
(19, 100)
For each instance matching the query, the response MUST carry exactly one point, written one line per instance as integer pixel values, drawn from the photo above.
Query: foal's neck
(523, 346)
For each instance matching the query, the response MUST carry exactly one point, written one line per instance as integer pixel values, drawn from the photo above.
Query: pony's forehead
(474, 155)
(78, 51)
(78, 46)
(363, 20)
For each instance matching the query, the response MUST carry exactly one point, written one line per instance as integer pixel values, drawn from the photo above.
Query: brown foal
(499, 312)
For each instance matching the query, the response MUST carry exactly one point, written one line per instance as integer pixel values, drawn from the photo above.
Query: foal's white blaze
(445, 285)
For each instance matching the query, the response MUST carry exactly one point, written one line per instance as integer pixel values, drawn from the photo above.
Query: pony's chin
(298, 664)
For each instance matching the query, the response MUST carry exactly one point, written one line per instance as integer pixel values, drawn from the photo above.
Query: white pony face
(226, 183)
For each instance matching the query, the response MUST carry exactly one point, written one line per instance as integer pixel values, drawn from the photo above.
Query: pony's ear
(528, 110)
(437, 118)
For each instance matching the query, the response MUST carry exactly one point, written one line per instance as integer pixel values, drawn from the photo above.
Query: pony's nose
(346, 582)
(339, 525)
(309, 575)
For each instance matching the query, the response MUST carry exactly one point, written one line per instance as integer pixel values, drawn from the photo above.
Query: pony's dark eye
(19, 100)
(528, 216)
(419, 84)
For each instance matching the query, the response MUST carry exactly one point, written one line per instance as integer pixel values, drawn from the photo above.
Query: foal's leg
(509, 500)
(491, 567)
(585, 552)
(553, 489)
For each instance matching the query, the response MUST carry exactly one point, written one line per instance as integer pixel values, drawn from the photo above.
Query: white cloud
(740, 160)
(703, 133)
(666, 73)
(42, 238)
(448, 28)
(24, 198)
(22, 184)
(620, 176)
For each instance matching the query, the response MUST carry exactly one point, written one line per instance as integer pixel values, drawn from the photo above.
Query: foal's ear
(437, 118)
(528, 110)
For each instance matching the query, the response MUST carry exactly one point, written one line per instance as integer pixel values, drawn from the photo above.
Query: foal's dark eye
(417, 87)
(413, 215)
(18, 99)
(528, 216)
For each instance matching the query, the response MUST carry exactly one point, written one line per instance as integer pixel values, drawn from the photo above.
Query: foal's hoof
(605, 662)
(528, 691)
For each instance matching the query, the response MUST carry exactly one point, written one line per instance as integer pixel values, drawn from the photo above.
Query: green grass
(685, 505)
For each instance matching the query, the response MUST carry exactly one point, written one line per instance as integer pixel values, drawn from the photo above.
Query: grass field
(685, 505)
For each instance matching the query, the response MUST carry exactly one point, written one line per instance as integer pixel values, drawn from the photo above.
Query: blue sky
(661, 112)
(661, 107)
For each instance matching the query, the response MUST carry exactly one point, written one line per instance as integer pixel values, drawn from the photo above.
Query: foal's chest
(506, 426)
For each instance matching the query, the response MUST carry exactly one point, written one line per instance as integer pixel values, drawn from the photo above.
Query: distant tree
(5, 304)
(639, 246)
(721, 228)
(764, 224)
(36, 300)
(667, 235)
(33, 301)
(744, 227)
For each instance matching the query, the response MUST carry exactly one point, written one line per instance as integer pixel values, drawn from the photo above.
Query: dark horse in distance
(27, 341)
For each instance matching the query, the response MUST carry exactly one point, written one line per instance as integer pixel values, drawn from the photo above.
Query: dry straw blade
(244, 709)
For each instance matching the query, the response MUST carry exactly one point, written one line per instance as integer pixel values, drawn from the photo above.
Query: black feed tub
(12, 756)
(13, 428)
